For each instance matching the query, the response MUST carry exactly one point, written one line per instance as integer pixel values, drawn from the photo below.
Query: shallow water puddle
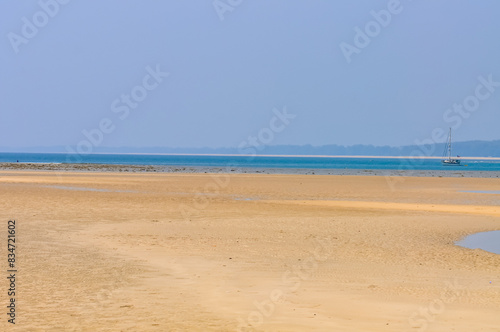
(488, 241)
(494, 192)
(87, 189)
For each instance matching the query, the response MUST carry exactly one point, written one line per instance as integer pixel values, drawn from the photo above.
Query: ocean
(291, 162)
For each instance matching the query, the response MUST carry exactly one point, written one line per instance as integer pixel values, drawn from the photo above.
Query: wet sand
(145, 251)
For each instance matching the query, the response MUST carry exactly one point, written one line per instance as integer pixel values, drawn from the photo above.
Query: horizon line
(267, 155)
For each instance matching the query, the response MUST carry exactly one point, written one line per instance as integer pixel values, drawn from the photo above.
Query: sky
(179, 73)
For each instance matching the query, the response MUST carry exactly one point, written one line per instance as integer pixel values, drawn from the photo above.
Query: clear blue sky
(226, 76)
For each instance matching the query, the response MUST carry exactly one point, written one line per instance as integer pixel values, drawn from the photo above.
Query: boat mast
(449, 147)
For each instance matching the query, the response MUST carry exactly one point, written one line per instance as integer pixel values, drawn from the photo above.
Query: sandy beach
(147, 251)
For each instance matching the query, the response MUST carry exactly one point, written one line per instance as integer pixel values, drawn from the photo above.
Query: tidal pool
(488, 241)
(494, 192)
(89, 189)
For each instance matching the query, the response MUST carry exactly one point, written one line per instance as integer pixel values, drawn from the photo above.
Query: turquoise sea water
(257, 161)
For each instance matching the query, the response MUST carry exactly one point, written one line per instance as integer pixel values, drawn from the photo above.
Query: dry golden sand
(201, 252)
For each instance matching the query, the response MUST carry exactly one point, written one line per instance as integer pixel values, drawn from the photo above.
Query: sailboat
(447, 159)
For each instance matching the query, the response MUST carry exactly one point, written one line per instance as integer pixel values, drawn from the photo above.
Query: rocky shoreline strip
(455, 172)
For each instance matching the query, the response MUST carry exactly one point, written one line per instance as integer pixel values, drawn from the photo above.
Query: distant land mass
(464, 149)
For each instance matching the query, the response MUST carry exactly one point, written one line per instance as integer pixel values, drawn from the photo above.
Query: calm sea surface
(258, 161)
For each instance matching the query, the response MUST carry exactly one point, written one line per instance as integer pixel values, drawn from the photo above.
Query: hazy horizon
(483, 149)
(89, 75)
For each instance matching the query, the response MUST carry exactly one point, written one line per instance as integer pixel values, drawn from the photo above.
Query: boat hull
(451, 162)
